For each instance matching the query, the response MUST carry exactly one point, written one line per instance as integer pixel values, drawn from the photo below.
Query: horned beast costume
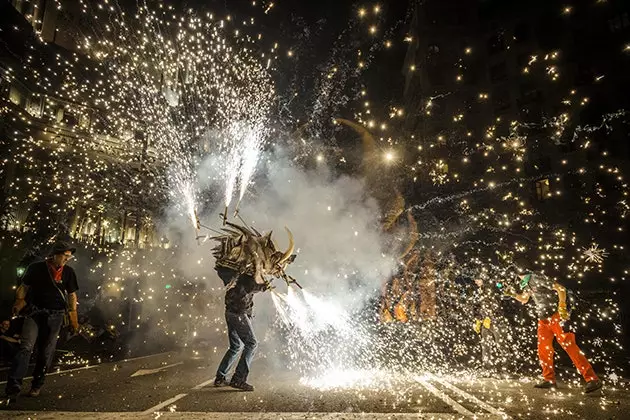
(246, 251)
(244, 258)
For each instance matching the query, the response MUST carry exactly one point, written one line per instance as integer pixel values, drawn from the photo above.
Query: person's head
(479, 282)
(522, 266)
(5, 325)
(61, 253)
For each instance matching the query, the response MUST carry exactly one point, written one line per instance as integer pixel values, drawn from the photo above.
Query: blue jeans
(40, 328)
(241, 337)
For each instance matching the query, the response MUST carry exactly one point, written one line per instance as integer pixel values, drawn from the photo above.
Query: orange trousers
(548, 329)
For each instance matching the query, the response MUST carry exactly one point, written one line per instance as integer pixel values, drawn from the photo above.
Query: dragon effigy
(409, 295)
(244, 250)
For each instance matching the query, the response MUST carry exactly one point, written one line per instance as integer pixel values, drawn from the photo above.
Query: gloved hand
(74, 321)
(509, 292)
(477, 326)
(486, 323)
(18, 306)
(562, 311)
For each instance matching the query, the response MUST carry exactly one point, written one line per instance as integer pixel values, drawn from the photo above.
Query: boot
(546, 385)
(220, 382)
(242, 385)
(34, 392)
(592, 386)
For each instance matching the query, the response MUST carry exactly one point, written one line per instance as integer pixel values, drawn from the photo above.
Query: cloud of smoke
(335, 223)
(342, 256)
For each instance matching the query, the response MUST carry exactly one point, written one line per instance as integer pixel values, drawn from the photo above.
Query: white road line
(216, 415)
(470, 397)
(59, 372)
(143, 372)
(164, 404)
(456, 406)
(143, 357)
(201, 385)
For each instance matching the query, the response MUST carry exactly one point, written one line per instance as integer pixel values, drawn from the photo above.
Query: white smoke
(334, 222)
(341, 259)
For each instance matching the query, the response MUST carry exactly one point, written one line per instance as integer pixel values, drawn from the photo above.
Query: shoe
(11, 397)
(243, 386)
(34, 392)
(546, 385)
(593, 385)
(220, 382)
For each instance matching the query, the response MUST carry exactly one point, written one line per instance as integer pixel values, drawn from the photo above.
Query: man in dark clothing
(486, 314)
(239, 303)
(49, 287)
(550, 298)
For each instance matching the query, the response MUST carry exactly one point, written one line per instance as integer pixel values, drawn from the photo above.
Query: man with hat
(550, 298)
(47, 294)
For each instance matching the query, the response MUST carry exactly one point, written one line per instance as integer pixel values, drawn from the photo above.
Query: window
(501, 100)
(66, 117)
(18, 4)
(84, 120)
(70, 120)
(498, 72)
(436, 75)
(35, 105)
(521, 32)
(522, 60)
(496, 44)
(542, 189)
(472, 76)
(619, 23)
(529, 94)
(16, 95)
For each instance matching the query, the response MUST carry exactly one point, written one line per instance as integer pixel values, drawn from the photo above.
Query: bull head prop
(247, 251)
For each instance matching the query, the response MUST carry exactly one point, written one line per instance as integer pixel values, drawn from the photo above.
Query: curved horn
(413, 234)
(369, 144)
(396, 208)
(289, 250)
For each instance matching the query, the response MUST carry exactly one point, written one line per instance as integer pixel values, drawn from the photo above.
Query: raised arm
(562, 294)
(521, 297)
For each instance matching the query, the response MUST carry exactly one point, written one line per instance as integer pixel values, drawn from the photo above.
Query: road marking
(144, 357)
(196, 415)
(454, 404)
(470, 397)
(95, 365)
(61, 371)
(143, 372)
(201, 385)
(164, 404)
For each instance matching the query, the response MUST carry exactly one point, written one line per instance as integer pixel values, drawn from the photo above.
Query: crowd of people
(46, 302)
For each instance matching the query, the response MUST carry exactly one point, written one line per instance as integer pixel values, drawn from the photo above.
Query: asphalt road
(179, 385)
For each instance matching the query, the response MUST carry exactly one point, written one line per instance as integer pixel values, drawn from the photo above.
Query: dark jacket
(239, 297)
(44, 292)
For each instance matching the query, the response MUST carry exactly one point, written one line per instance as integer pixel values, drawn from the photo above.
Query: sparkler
(177, 77)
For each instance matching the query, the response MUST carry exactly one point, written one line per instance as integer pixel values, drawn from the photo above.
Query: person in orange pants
(551, 306)
(548, 329)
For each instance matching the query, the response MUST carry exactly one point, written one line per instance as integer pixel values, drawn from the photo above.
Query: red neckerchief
(55, 272)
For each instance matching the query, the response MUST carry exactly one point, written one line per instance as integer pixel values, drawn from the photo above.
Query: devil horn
(289, 251)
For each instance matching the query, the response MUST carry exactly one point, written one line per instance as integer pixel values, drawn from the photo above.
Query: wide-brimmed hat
(60, 247)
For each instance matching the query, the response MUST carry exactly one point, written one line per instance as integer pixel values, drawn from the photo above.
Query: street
(179, 385)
